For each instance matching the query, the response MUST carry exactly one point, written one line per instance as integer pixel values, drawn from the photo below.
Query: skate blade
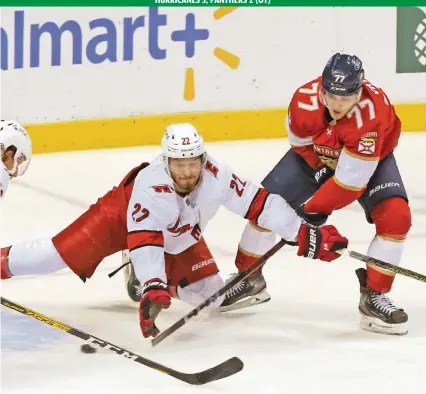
(373, 324)
(257, 299)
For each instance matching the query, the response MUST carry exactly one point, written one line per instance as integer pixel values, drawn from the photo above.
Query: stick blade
(227, 368)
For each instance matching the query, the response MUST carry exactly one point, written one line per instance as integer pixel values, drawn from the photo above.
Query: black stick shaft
(220, 371)
(237, 279)
(386, 266)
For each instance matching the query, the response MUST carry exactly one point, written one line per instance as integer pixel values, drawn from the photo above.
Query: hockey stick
(237, 279)
(381, 264)
(223, 370)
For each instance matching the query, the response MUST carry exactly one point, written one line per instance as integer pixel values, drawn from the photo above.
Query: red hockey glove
(4, 256)
(320, 242)
(154, 298)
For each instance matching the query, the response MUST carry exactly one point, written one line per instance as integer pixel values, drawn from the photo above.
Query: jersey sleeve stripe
(352, 172)
(347, 187)
(139, 239)
(257, 205)
(360, 157)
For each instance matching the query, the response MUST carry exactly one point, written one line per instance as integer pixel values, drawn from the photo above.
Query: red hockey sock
(4, 256)
(244, 260)
(379, 281)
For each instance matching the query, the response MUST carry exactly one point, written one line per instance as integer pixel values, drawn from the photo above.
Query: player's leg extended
(386, 205)
(193, 275)
(81, 246)
(38, 257)
(292, 179)
(255, 241)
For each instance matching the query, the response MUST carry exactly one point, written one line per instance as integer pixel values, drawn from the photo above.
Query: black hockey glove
(314, 219)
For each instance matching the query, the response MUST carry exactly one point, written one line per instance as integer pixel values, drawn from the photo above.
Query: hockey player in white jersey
(159, 212)
(16, 150)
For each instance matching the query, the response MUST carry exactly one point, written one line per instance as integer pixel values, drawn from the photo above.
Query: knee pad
(392, 218)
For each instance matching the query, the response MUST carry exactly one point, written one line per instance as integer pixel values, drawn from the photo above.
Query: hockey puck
(86, 348)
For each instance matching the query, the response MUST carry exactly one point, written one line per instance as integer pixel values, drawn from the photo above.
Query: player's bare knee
(392, 218)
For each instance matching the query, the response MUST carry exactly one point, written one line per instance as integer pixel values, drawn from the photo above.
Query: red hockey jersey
(352, 146)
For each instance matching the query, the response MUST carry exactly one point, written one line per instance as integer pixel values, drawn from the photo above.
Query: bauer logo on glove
(320, 243)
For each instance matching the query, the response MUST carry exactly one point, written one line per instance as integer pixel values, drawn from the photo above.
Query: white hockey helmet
(13, 135)
(182, 141)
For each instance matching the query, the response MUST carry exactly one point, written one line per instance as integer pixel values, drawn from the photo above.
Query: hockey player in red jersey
(342, 131)
(159, 212)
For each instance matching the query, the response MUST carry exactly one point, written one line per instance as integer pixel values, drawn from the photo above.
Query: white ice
(305, 340)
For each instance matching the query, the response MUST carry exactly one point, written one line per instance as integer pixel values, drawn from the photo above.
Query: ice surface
(305, 340)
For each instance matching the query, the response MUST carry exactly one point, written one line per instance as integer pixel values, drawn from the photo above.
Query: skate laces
(236, 289)
(139, 290)
(383, 303)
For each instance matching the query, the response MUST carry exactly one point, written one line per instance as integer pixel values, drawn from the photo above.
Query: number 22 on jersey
(139, 213)
(238, 185)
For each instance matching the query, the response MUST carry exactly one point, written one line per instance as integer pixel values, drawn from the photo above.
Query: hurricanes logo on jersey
(177, 230)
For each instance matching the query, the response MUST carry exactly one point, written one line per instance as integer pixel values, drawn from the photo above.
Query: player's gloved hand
(155, 297)
(320, 242)
(315, 219)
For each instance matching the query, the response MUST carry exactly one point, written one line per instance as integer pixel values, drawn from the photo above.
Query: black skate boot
(251, 291)
(378, 312)
(133, 286)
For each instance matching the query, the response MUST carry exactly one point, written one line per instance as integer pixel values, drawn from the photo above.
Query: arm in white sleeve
(279, 217)
(269, 211)
(147, 217)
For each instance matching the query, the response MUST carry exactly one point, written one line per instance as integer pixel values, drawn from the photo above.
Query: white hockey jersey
(160, 220)
(4, 180)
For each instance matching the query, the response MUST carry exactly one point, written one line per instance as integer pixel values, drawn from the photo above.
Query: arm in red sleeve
(332, 195)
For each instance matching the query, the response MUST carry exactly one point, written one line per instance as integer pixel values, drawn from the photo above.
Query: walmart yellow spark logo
(223, 55)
